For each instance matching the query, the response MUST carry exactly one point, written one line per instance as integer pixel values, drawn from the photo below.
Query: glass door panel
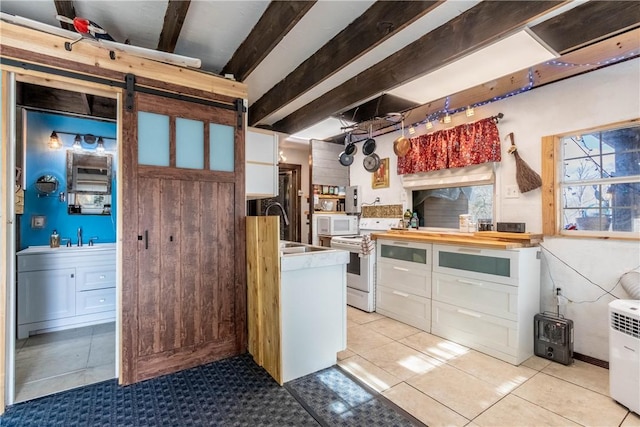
(153, 139)
(404, 253)
(189, 143)
(221, 147)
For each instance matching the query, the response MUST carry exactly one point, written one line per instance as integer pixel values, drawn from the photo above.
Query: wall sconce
(54, 141)
(470, 112)
(89, 139)
(429, 125)
(411, 130)
(281, 157)
(446, 119)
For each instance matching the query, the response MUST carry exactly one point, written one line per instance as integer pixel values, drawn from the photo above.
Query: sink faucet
(79, 236)
(91, 240)
(284, 214)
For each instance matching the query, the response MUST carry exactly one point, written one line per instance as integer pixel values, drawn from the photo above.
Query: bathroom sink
(65, 249)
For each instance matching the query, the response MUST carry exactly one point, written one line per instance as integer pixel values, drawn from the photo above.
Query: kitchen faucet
(284, 214)
(79, 236)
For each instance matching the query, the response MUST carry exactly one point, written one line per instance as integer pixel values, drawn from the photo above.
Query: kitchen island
(296, 297)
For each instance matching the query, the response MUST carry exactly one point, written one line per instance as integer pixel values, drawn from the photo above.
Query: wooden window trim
(551, 188)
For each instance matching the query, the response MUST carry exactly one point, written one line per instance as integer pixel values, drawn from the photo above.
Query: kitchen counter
(317, 256)
(480, 239)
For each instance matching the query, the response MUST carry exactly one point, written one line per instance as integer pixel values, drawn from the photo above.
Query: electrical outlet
(512, 192)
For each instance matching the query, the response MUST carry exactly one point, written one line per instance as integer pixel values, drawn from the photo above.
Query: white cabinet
(403, 282)
(486, 299)
(261, 161)
(65, 288)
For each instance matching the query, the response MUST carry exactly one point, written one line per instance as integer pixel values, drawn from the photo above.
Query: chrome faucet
(92, 239)
(284, 214)
(79, 236)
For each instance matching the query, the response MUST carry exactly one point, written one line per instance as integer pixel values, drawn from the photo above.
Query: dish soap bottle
(407, 219)
(54, 239)
(414, 220)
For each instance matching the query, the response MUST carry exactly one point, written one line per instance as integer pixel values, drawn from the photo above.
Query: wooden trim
(147, 171)
(276, 21)
(240, 244)
(548, 190)
(599, 128)
(172, 25)
(4, 212)
(89, 54)
(378, 23)
(489, 20)
(172, 141)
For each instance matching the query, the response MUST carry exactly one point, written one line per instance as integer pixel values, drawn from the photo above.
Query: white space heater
(624, 353)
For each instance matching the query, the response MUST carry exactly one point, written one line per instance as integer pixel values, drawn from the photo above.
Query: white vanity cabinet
(261, 160)
(486, 299)
(65, 288)
(403, 283)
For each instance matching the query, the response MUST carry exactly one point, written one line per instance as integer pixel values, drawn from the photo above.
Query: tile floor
(57, 361)
(445, 384)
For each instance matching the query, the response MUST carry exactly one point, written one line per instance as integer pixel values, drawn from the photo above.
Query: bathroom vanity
(65, 287)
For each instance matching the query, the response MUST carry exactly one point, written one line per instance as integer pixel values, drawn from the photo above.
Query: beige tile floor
(57, 361)
(445, 384)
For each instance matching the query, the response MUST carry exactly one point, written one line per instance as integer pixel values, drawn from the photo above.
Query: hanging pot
(351, 148)
(345, 159)
(402, 144)
(369, 145)
(371, 163)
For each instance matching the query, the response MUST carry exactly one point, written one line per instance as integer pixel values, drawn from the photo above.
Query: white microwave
(337, 225)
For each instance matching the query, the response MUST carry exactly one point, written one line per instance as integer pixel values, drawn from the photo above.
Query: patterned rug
(230, 392)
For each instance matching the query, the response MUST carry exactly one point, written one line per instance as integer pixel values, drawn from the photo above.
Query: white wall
(598, 98)
(298, 154)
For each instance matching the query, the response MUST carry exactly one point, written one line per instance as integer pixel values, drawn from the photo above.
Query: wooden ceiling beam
(472, 30)
(277, 20)
(588, 23)
(173, 20)
(378, 23)
(65, 8)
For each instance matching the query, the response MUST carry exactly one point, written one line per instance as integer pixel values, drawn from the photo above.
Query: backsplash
(382, 211)
(41, 160)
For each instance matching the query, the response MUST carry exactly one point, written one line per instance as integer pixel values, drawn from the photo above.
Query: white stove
(361, 268)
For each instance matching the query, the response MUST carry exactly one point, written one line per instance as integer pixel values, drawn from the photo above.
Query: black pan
(369, 146)
(351, 148)
(345, 159)
(371, 163)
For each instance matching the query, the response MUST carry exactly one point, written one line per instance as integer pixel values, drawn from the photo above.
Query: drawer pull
(400, 268)
(402, 294)
(102, 276)
(401, 243)
(469, 282)
(469, 313)
(102, 300)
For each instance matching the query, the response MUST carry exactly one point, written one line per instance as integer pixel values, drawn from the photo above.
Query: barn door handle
(146, 239)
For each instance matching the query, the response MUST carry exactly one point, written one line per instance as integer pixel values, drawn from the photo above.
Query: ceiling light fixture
(77, 145)
(54, 141)
(100, 147)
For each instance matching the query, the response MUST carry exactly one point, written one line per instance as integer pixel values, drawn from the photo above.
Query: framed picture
(380, 178)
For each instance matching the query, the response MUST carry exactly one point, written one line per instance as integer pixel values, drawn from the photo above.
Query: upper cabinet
(261, 154)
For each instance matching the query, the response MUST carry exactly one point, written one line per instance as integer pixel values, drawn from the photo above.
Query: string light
(470, 111)
(412, 130)
(593, 64)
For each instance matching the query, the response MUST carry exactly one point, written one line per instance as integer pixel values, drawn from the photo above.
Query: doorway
(64, 302)
(289, 187)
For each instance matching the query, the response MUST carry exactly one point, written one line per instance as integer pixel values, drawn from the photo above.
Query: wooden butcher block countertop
(482, 239)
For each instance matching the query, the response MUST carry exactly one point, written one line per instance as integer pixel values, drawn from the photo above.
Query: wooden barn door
(184, 283)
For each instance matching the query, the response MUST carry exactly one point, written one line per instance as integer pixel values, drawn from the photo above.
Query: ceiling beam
(588, 23)
(276, 21)
(378, 23)
(173, 20)
(472, 30)
(65, 8)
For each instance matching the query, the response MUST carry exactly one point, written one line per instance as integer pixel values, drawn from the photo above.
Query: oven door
(358, 272)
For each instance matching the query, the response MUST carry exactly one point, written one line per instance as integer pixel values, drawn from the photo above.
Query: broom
(526, 177)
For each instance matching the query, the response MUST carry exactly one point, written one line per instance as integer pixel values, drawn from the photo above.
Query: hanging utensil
(402, 144)
(351, 147)
(371, 163)
(369, 145)
(345, 159)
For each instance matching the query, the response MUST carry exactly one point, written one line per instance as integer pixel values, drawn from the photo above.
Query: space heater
(624, 353)
(553, 338)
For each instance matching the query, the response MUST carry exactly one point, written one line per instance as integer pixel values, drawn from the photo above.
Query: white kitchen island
(296, 301)
(314, 310)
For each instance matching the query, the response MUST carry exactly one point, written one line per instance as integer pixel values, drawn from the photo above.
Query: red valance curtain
(464, 145)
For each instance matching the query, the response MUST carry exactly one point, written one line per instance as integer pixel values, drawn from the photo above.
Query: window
(597, 182)
(441, 207)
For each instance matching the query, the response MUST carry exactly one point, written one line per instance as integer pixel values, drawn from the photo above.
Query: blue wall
(41, 160)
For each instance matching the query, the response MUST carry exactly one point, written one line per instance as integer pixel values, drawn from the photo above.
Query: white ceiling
(213, 30)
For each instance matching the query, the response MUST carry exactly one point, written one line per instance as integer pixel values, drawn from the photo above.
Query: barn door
(184, 289)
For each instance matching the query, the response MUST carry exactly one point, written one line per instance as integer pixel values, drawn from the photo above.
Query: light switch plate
(512, 192)
(38, 221)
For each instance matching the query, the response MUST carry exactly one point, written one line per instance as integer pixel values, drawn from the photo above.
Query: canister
(464, 221)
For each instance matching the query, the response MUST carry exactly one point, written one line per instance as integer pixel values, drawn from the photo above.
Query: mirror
(88, 173)
(47, 184)
(89, 204)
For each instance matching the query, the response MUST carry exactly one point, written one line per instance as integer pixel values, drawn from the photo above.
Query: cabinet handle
(146, 239)
(102, 276)
(401, 243)
(400, 268)
(102, 300)
(402, 294)
(469, 313)
(469, 282)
